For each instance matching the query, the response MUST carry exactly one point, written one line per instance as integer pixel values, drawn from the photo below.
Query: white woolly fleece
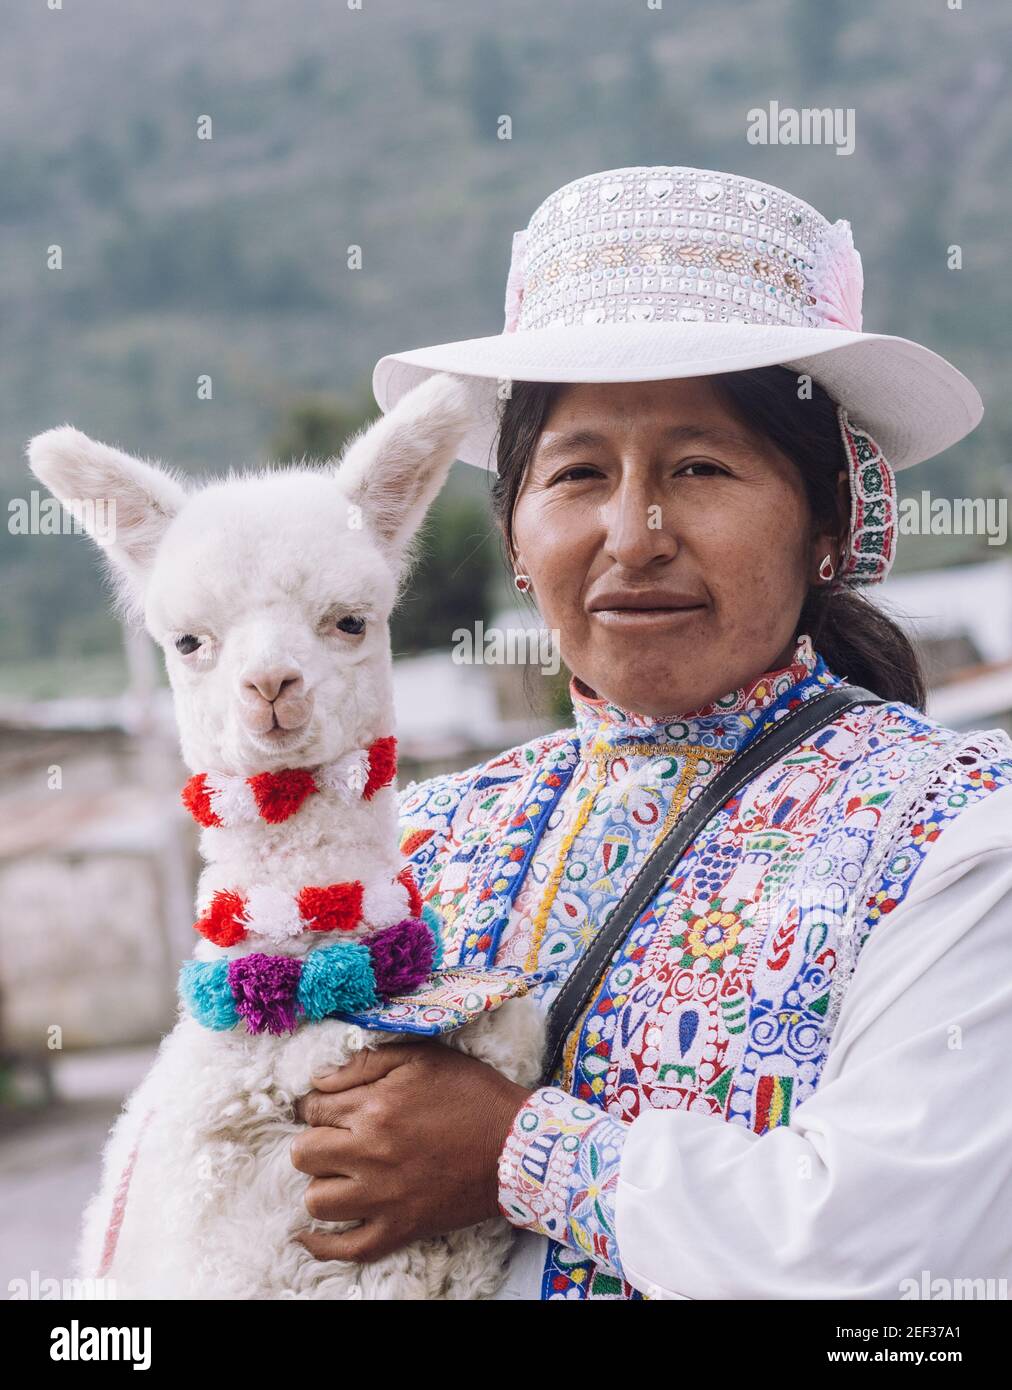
(198, 1164)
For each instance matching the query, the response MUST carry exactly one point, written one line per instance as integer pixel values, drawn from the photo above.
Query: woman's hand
(404, 1138)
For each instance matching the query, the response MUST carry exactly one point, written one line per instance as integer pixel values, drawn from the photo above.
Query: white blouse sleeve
(899, 1166)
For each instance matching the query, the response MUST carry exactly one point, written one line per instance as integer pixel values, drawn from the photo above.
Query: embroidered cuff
(558, 1172)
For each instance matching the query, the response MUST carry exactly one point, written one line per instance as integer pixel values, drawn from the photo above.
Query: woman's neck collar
(730, 717)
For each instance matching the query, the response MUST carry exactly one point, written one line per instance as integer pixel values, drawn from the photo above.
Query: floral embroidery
(724, 996)
(712, 930)
(558, 1172)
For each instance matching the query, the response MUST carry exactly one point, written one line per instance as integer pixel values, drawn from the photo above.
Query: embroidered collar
(726, 722)
(215, 798)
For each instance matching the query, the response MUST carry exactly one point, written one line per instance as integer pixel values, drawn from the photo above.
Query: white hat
(644, 274)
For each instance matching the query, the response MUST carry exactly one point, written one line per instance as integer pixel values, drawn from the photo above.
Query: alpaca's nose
(274, 682)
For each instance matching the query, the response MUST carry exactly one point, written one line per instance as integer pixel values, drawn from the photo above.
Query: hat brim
(448, 999)
(912, 401)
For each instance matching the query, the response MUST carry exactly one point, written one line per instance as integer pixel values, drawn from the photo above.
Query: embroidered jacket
(724, 997)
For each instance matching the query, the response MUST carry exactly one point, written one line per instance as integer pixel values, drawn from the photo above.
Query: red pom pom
(221, 923)
(279, 795)
(338, 907)
(414, 897)
(197, 800)
(382, 766)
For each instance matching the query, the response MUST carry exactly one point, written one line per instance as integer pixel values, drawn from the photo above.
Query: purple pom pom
(263, 988)
(402, 956)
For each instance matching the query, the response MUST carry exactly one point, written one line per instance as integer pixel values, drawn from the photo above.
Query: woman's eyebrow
(707, 434)
(675, 434)
(573, 439)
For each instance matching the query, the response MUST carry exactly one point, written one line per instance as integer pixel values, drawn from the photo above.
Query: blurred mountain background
(377, 128)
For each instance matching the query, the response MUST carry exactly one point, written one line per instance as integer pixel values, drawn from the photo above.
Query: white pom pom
(231, 799)
(385, 903)
(272, 913)
(346, 775)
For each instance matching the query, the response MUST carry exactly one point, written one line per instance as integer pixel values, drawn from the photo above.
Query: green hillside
(377, 128)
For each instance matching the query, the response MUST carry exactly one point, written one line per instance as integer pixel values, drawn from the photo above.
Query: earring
(826, 570)
(522, 582)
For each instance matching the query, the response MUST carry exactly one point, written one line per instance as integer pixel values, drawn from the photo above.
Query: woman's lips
(626, 618)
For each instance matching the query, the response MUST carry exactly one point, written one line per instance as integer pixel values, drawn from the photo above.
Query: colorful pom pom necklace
(217, 798)
(263, 910)
(275, 994)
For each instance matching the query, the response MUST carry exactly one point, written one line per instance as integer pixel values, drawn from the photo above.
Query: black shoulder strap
(775, 740)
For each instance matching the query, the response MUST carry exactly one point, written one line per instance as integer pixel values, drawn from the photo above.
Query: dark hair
(856, 639)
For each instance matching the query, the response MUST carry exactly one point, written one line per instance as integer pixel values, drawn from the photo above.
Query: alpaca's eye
(353, 626)
(187, 644)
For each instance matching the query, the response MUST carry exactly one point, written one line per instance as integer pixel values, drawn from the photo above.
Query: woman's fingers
(322, 1108)
(337, 1199)
(359, 1246)
(323, 1152)
(369, 1065)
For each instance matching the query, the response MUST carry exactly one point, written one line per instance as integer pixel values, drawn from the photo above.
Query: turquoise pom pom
(431, 919)
(336, 979)
(204, 988)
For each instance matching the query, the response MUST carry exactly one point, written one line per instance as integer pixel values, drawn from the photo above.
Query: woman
(786, 1082)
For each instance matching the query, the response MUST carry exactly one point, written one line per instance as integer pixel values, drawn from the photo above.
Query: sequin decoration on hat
(871, 545)
(677, 243)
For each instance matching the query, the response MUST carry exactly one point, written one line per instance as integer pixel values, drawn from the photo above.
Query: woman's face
(669, 546)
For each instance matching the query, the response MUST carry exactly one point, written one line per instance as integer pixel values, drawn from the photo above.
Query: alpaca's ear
(394, 468)
(124, 503)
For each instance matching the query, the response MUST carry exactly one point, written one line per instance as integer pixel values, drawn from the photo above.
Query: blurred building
(97, 865)
(961, 621)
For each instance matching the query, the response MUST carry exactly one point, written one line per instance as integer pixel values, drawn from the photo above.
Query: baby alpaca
(270, 593)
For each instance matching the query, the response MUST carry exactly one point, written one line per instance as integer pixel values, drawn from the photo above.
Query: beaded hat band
(670, 247)
(871, 540)
(652, 273)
